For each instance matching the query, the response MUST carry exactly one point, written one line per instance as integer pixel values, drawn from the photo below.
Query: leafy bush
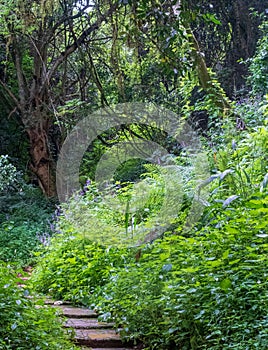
(203, 292)
(8, 173)
(244, 162)
(74, 267)
(18, 243)
(24, 224)
(259, 64)
(130, 170)
(112, 216)
(251, 111)
(25, 203)
(126, 214)
(23, 324)
(206, 289)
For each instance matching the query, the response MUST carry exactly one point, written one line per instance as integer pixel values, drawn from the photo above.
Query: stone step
(25, 278)
(98, 338)
(90, 334)
(57, 302)
(76, 312)
(87, 323)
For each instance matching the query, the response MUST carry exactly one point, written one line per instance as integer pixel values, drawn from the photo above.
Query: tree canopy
(57, 56)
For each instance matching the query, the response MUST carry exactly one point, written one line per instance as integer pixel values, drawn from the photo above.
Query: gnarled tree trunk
(42, 164)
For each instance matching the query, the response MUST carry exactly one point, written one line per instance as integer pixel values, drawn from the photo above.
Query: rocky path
(90, 334)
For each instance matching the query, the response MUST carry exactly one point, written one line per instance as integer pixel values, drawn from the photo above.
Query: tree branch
(80, 40)
(10, 94)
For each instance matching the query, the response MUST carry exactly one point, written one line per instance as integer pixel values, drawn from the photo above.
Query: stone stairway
(90, 334)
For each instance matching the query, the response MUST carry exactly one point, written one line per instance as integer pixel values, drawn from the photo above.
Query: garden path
(90, 334)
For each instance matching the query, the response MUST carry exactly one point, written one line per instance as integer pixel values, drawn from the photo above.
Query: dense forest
(134, 170)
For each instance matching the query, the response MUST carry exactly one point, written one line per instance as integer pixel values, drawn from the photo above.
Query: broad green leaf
(226, 284)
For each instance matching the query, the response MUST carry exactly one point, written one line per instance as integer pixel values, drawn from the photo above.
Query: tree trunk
(42, 164)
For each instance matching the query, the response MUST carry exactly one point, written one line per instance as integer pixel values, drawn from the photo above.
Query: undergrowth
(204, 289)
(27, 323)
(25, 224)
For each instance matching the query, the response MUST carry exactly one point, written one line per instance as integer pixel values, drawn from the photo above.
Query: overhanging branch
(80, 40)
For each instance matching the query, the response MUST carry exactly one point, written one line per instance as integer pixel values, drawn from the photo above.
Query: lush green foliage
(7, 173)
(251, 109)
(203, 290)
(27, 323)
(18, 243)
(206, 291)
(259, 64)
(124, 214)
(24, 223)
(243, 163)
(88, 266)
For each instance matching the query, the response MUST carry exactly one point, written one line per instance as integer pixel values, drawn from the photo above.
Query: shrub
(8, 173)
(73, 268)
(258, 64)
(206, 289)
(204, 292)
(115, 216)
(18, 243)
(23, 325)
(24, 224)
(252, 112)
(243, 163)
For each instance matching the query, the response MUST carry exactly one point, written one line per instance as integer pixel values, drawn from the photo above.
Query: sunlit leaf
(225, 284)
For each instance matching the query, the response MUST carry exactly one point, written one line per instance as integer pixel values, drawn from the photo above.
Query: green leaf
(226, 284)
(232, 230)
(234, 261)
(225, 255)
(211, 17)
